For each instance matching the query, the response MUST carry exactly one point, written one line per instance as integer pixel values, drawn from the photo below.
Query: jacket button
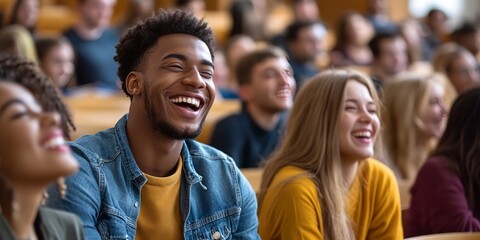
(216, 235)
(135, 204)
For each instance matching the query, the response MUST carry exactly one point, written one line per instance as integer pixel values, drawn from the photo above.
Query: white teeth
(283, 93)
(54, 142)
(193, 101)
(367, 134)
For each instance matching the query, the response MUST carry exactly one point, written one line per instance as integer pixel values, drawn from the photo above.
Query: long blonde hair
(311, 143)
(404, 99)
(16, 40)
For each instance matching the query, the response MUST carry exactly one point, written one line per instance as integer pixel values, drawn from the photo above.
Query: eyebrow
(355, 101)
(184, 58)
(10, 103)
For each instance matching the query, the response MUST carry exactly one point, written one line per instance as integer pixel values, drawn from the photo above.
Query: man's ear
(134, 83)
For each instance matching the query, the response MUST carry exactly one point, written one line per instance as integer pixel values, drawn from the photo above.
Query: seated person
(468, 36)
(56, 59)
(446, 193)
(305, 42)
(33, 123)
(15, 40)
(146, 178)
(322, 182)
(352, 37)
(458, 65)
(390, 57)
(416, 108)
(377, 15)
(94, 44)
(266, 87)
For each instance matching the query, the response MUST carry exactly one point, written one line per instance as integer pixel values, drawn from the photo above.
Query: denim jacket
(216, 201)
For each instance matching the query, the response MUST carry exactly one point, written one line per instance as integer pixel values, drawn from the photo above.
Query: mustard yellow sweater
(293, 211)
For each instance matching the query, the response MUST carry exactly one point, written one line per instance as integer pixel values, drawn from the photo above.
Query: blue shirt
(214, 196)
(240, 137)
(94, 62)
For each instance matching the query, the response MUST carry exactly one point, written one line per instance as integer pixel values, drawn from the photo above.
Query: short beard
(164, 127)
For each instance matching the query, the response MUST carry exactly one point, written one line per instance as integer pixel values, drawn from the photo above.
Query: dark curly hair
(27, 74)
(134, 46)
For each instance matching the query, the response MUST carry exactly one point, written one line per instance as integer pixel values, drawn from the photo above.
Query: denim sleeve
(82, 198)
(248, 224)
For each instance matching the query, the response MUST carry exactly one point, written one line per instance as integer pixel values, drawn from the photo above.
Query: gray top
(50, 224)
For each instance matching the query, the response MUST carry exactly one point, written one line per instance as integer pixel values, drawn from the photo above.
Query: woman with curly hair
(34, 123)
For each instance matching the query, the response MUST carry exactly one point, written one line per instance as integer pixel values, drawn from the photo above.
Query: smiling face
(393, 57)
(433, 115)
(271, 87)
(177, 85)
(463, 72)
(32, 148)
(359, 123)
(58, 64)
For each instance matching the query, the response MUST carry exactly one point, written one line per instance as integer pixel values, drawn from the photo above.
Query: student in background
(25, 13)
(94, 43)
(468, 36)
(390, 57)
(446, 193)
(139, 10)
(458, 65)
(416, 109)
(15, 40)
(305, 43)
(235, 48)
(33, 122)
(322, 182)
(56, 58)
(353, 35)
(266, 87)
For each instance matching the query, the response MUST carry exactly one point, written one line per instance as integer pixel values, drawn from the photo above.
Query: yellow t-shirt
(160, 216)
(293, 211)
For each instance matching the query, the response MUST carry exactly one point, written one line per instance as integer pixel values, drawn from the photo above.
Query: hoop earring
(61, 187)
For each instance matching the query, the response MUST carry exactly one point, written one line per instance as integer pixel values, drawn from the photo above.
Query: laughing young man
(145, 178)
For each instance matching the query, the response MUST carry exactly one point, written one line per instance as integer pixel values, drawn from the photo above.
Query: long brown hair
(311, 143)
(460, 144)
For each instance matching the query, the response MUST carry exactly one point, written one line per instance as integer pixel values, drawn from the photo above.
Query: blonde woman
(16, 40)
(322, 182)
(414, 118)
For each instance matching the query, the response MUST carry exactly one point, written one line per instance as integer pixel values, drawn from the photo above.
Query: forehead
(10, 90)
(357, 90)
(387, 43)
(272, 63)
(190, 46)
(315, 30)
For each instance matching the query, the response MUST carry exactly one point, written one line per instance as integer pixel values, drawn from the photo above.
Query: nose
(51, 119)
(195, 79)
(366, 116)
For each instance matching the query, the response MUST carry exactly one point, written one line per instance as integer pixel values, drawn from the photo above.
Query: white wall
(457, 10)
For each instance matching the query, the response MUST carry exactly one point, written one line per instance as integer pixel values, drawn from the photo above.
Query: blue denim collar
(134, 171)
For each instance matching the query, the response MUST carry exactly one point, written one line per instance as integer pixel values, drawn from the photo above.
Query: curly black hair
(134, 46)
(28, 74)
